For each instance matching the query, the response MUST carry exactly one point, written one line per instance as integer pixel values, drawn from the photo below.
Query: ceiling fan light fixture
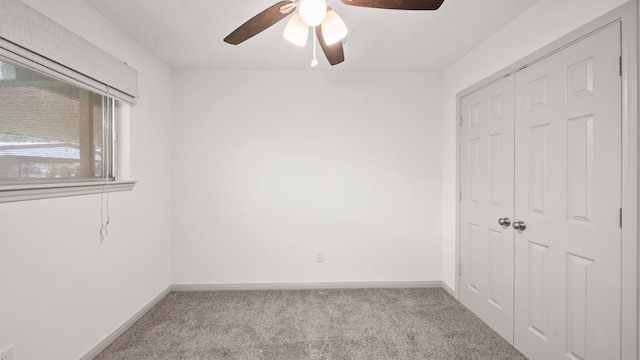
(296, 31)
(313, 12)
(333, 28)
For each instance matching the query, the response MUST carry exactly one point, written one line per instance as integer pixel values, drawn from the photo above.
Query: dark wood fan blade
(397, 4)
(258, 23)
(334, 53)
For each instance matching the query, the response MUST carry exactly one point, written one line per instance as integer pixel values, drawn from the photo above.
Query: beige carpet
(362, 324)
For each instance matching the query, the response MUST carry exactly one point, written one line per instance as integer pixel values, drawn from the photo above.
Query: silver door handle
(505, 221)
(520, 225)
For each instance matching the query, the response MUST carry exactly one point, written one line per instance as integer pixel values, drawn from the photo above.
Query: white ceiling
(189, 33)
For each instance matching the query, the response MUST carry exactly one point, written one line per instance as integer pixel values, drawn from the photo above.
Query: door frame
(627, 15)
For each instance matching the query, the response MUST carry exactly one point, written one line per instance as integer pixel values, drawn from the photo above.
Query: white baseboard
(295, 286)
(122, 328)
(446, 288)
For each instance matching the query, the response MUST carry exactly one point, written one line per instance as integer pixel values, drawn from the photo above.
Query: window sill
(12, 193)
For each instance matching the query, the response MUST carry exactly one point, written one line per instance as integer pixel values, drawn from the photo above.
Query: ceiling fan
(315, 14)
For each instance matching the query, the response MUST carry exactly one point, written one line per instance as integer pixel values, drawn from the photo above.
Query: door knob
(505, 221)
(520, 225)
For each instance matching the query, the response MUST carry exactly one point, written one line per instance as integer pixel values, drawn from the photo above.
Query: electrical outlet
(6, 353)
(319, 258)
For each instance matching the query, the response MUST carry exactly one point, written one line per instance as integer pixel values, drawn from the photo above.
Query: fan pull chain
(314, 62)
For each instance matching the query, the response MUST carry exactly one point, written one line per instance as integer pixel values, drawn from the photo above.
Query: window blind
(27, 36)
(51, 130)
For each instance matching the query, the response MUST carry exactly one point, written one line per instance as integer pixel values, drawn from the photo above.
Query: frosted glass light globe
(333, 28)
(313, 12)
(296, 31)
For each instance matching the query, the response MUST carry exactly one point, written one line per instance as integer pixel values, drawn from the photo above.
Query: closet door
(486, 255)
(568, 196)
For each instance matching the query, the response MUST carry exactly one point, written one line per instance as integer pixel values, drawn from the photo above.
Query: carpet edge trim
(125, 326)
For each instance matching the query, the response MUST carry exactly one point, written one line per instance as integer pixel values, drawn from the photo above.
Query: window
(64, 106)
(52, 131)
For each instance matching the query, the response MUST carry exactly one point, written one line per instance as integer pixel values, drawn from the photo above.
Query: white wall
(271, 166)
(62, 291)
(544, 22)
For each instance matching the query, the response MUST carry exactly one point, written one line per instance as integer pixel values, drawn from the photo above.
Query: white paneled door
(487, 172)
(540, 180)
(568, 194)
